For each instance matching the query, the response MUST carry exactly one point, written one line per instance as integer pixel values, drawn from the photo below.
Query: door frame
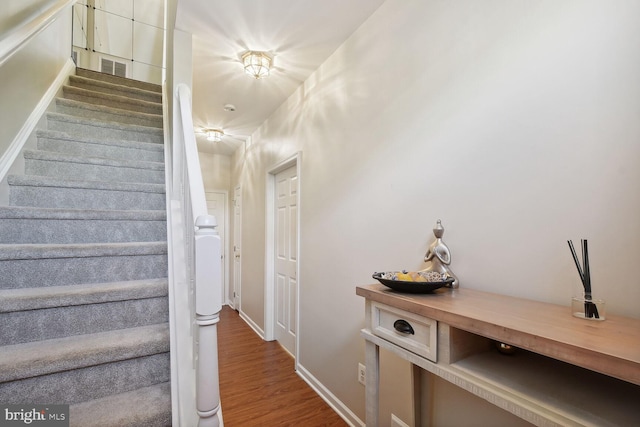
(237, 279)
(225, 244)
(270, 258)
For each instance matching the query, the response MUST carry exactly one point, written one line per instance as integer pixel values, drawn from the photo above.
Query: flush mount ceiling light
(256, 64)
(214, 135)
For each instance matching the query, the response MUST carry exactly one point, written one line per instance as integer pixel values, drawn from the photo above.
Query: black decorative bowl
(412, 287)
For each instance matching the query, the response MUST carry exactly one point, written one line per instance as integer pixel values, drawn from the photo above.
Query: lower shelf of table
(556, 389)
(539, 389)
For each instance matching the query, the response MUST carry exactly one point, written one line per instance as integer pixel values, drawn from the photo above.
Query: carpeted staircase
(83, 260)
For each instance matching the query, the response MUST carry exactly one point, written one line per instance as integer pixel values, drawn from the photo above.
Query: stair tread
(25, 251)
(27, 360)
(106, 108)
(104, 123)
(115, 86)
(149, 146)
(27, 212)
(119, 98)
(98, 76)
(103, 109)
(64, 296)
(44, 181)
(98, 161)
(143, 407)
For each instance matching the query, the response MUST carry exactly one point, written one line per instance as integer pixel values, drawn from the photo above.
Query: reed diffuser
(590, 307)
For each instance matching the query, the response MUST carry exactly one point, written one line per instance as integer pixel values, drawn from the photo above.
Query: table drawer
(412, 332)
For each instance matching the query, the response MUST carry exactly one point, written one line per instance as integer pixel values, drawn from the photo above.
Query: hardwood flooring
(258, 384)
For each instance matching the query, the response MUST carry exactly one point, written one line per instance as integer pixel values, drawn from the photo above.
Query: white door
(286, 250)
(237, 235)
(217, 206)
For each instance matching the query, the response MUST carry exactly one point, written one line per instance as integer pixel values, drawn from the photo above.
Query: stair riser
(108, 101)
(94, 382)
(92, 172)
(98, 150)
(132, 119)
(62, 231)
(34, 325)
(102, 130)
(81, 198)
(118, 80)
(73, 271)
(148, 407)
(117, 90)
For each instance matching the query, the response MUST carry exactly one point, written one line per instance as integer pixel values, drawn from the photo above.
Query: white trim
(11, 44)
(253, 325)
(237, 284)
(269, 292)
(269, 259)
(336, 404)
(225, 244)
(18, 143)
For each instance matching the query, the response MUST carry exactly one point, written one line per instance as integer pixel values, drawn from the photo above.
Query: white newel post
(208, 305)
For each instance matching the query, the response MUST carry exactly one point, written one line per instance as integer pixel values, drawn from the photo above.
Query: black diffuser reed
(590, 309)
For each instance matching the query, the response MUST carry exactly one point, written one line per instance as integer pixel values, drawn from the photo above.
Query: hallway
(258, 385)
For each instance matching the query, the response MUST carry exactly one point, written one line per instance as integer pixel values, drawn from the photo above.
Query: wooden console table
(566, 372)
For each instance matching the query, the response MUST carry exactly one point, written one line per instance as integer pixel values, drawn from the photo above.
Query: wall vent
(113, 67)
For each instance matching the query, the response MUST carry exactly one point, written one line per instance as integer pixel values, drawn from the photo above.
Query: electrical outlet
(362, 371)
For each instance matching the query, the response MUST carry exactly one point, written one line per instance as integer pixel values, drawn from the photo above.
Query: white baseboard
(15, 148)
(336, 404)
(252, 324)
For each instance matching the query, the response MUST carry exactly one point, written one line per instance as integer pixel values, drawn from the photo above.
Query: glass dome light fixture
(214, 135)
(256, 64)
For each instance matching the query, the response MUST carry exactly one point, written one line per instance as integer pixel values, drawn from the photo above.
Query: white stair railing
(203, 263)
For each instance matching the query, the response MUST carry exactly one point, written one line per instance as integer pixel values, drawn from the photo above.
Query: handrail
(12, 43)
(196, 186)
(203, 263)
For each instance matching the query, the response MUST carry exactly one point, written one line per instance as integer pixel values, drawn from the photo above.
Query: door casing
(224, 226)
(270, 294)
(237, 248)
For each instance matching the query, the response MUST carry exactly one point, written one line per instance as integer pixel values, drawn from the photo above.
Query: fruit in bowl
(414, 276)
(417, 282)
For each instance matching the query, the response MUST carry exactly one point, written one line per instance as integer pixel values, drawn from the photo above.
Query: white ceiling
(299, 34)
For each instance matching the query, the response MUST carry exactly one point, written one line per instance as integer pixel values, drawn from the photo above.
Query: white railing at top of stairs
(13, 42)
(203, 259)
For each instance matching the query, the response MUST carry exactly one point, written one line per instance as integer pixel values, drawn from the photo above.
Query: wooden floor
(258, 384)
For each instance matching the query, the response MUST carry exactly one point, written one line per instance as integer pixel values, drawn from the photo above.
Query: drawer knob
(403, 327)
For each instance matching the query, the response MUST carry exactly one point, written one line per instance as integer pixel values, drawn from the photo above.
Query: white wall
(28, 74)
(129, 32)
(515, 122)
(15, 12)
(216, 171)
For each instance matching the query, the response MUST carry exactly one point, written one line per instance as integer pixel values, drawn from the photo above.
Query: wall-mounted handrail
(15, 40)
